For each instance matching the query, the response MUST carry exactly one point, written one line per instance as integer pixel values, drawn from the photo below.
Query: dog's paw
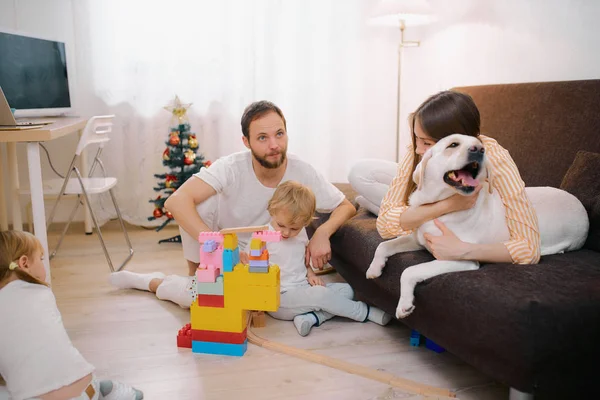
(375, 269)
(405, 307)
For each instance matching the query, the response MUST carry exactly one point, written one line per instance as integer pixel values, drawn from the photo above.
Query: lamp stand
(402, 44)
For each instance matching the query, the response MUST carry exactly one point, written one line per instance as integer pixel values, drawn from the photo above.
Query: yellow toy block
(252, 291)
(230, 241)
(218, 319)
(256, 244)
(241, 276)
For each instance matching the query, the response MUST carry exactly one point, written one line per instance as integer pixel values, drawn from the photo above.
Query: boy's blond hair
(296, 199)
(14, 245)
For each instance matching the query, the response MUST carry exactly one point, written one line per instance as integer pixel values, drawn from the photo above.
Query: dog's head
(455, 163)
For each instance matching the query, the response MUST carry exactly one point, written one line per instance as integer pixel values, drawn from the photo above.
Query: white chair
(95, 132)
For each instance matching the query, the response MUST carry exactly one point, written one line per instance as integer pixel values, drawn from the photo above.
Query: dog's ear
(490, 177)
(421, 175)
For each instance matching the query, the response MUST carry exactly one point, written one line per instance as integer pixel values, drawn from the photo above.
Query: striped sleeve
(524, 243)
(393, 205)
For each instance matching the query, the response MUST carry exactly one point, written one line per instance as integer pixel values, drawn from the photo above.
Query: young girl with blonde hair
(37, 358)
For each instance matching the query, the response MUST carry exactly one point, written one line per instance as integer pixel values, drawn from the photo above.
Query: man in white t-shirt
(234, 190)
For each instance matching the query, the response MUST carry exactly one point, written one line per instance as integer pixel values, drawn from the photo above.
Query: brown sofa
(535, 328)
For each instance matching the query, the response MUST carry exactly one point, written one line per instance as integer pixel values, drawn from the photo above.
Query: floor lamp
(399, 14)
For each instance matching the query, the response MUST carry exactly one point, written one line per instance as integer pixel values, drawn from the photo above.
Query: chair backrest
(96, 131)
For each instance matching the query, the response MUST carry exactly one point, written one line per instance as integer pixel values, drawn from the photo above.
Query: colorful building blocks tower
(227, 291)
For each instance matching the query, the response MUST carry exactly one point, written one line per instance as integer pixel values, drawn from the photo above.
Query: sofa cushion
(583, 181)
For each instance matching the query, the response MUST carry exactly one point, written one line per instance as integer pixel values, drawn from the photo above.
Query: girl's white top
(36, 354)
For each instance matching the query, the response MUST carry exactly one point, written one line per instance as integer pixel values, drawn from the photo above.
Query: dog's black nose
(476, 149)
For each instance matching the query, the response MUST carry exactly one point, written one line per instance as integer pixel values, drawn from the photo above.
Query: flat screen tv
(34, 75)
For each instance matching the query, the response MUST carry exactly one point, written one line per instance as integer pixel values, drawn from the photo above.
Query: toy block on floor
(259, 319)
(218, 319)
(184, 337)
(220, 312)
(219, 337)
(211, 288)
(211, 300)
(431, 345)
(224, 349)
(415, 338)
(207, 273)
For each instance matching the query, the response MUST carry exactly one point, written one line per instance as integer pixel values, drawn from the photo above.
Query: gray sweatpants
(324, 301)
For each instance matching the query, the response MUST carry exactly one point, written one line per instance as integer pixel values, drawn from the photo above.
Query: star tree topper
(178, 109)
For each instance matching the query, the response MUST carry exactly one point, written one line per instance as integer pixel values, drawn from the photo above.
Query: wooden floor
(130, 335)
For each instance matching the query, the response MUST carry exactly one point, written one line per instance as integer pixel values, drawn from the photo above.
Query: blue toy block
(264, 270)
(259, 263)
(415, 338)
(224, 349)
(209, 246)
(231, 258)
(431, 345)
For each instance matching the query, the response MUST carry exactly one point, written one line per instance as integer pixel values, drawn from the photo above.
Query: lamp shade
(391, 12)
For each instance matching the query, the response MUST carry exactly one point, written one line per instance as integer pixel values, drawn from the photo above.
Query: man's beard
(268, 164)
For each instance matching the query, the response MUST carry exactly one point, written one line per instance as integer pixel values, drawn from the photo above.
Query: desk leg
(13, 173)
(84, 172)
(37, 200)
(3, 214)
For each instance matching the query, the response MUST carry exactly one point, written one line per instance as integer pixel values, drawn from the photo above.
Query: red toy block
(208, 273)
(184, 337)
(210, 300)
(219, 337)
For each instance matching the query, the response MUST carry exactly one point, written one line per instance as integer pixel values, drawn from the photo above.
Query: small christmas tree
(182, 159)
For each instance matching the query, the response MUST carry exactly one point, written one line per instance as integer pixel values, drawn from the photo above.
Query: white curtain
(331, 73)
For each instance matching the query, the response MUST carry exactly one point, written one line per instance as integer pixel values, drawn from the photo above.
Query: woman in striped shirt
(440, 115)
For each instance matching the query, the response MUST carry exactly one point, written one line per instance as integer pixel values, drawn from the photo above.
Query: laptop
(7, 119)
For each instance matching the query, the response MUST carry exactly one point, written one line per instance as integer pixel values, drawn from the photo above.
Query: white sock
(378, 316)
(304, 323)
(114, 390)
(131, 280)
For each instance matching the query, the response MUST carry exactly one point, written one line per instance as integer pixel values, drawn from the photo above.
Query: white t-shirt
(288, 254)
(243, 199)
(36, 354)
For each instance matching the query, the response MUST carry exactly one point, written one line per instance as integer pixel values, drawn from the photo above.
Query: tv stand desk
(58, 128)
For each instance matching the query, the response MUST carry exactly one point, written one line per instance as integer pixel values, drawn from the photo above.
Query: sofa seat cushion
(531, 318)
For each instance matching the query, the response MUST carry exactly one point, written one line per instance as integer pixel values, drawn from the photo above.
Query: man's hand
(244, 257)
(315, 280)
(318, 250)
(448, 246)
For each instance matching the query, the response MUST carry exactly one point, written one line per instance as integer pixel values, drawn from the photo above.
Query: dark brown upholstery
(535, 328)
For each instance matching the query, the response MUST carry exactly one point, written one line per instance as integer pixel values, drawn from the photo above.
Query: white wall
(51, 19)
(500, 41)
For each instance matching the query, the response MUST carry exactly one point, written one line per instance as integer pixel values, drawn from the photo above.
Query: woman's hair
(442, 115)
(296, 199)
(14, 245)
